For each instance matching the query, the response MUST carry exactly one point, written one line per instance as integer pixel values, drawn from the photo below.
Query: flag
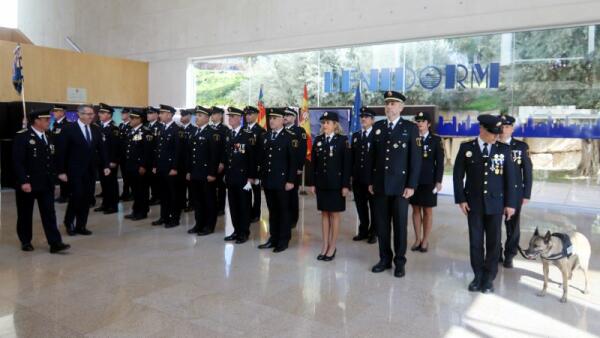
(355, 119)
(17, 76)
(305, 122)
(262, 113)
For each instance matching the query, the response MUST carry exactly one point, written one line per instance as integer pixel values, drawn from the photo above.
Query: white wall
(168, 32)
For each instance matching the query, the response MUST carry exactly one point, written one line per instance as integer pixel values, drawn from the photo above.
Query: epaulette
(289, 131)
(22, 131)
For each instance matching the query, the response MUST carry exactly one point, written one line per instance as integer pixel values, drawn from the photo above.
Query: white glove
(247, 187)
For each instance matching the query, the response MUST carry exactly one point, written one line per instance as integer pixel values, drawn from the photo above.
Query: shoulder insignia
(22, 131)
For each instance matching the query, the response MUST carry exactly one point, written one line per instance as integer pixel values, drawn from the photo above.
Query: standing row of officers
(388, 164)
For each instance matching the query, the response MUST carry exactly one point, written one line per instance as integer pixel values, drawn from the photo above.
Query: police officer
(216, 119)
(396, 163)
(33, 162)
(203, 158)
(60, 122)
(362, 142)
(251, 116)
(166, 165)
(523, 182)
(289, 119)
(430, 182)
(155, 126)
(487, 193)
(139, 151)
(278, 174)
(184, 188)
(110, 183)
(124, 128)
(240, 173)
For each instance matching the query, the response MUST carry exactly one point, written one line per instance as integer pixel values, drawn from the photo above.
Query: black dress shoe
(130, 216)
(27, 247)
(320, 257)
(205, 232)
(196, 229)
(171, 225)
(280, 248)
(231, 237)
(359, 237)
(268, 245)
(255, 219)
(508, 263)
(330, 258)
(139, 217)
(241, 239)
(159, 221)
(487, 287)
(372, 240)
(381, 267)
(110, 211)
(475, 285)
(56, 248)
(83, 231)
(98, 209)
(500, 259)
(70, 230)
(399, 271)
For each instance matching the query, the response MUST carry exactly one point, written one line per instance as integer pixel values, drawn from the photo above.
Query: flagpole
(24, 121)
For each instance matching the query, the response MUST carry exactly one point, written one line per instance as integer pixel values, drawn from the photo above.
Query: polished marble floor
(132, 279)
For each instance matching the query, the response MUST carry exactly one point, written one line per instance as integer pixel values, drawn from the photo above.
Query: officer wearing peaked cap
(185, 190)
(60, 122)
(111, 141)
(33, 162)
(124, 127)
(485, 196)
(290, 116)
(155, 126)
(216, 118)
(251, 116)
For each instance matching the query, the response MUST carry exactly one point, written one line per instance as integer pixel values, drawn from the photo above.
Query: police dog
(551, 249)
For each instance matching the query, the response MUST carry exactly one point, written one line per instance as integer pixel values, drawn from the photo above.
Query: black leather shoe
(171, 225)
(399, 271)
(110, 211)
(70, 230)
(424, 249)
(255, 219)
(194, 230)
(83, 231)
(159, 221)
(280, 248)
(139, 217)
(98, 209)
(330, 258)
(372, 240)
(56, 248)
(508, 263)
(267, 245)
(501, 259)
(359, 237)
(487, 287)
(475, 285)
(320, 257)
(231, 237)
(205, 232)
(130, 216)
(27, 247)
(241, 239)
(381, 267)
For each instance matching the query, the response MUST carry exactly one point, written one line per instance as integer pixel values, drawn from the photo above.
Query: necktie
(88, 137)
(485, 150)
(364, 134)
(390, 125)
(44, 139)
(273, 136)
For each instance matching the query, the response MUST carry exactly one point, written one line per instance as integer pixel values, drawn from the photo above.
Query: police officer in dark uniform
(60, 122)
(155, 126)
(166, 165)
(251, 116)
(124, 128)
(185, 189)
(396, 163)
(362, 142)
(217, 123)
(240, 173)
(139, 153)
(203, 158)
(278, 174)
(523, 182)
(33, 162)
(430, 182)
(487, 194)
(110, 183)
(289, 119)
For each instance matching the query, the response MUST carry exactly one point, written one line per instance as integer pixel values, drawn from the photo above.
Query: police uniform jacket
(331, 162)
(278, 160)
(33, 160)
(203, 153)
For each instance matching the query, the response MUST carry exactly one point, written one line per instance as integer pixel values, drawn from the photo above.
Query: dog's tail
(524, 255)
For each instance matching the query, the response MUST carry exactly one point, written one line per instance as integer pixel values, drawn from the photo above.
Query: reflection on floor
(130, 278)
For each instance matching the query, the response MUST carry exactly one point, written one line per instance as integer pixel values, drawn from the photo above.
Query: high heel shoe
(422, 248)
(416, 247)
(330, 258)
(320, 257)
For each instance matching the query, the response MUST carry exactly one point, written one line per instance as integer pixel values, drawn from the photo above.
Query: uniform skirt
(424, 196)
(330, 200)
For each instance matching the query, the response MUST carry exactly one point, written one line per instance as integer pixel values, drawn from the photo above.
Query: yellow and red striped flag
(262, 112)
(305, 122)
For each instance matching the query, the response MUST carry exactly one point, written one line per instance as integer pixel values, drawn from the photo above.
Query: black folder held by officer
(484, 180)
(33, 162)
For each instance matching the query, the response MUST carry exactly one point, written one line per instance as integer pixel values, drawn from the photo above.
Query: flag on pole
(305, 122)
(17, 76)
(355, 120)
(262, 112)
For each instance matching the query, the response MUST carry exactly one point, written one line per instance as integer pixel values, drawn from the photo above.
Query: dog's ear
(547, 236)
(536, 233)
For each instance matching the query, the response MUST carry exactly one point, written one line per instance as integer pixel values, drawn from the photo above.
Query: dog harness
(567, 247)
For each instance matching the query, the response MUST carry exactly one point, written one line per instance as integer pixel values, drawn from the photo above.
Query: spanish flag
(262, 112)
(305, 122)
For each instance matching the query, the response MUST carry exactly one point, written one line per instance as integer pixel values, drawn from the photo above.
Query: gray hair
(82, 107)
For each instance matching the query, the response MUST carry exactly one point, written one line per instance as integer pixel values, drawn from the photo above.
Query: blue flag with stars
(355, 119)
